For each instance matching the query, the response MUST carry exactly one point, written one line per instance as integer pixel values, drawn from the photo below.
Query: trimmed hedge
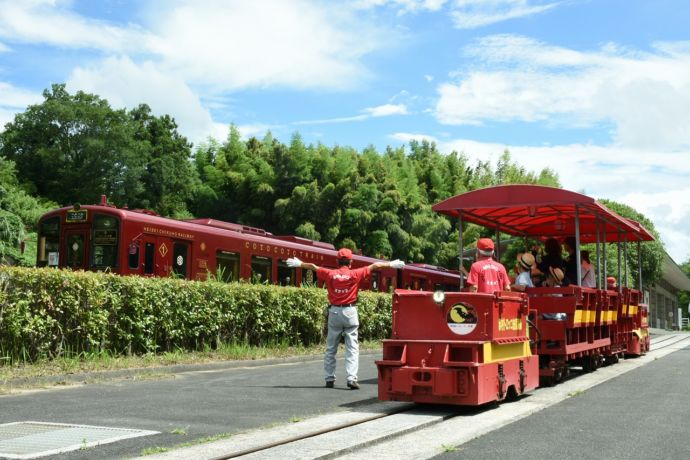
(45, 312)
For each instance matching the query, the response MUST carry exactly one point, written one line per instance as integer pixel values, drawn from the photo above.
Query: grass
(35, 375)
(448, 448)
(204, 440)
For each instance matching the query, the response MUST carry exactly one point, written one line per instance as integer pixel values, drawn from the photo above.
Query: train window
(48, 242)
(286, 275)
(133, 255)
(261, 269)
(180, 256)
(105, 239)
(227, 266)
(418, 284)
(148, 258)
(389, 283)
(375, 281)
(308, 278)
(75, 251)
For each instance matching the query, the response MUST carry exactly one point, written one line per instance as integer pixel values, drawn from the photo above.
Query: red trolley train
(139, 242)
(473, 348)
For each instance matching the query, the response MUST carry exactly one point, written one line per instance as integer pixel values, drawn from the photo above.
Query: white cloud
(125, 83)
(403, 6)
(386, 110)
(227, 45)
(644, 95)
(14, 100)
(230, 45)
(654, 183)
(256, 130)
(51, 22)
(470, 14)
(4, 48)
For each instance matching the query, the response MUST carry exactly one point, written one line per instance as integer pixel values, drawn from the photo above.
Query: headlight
(439, 297)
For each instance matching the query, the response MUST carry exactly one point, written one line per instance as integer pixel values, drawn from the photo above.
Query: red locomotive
(140, 242)
(473, 348)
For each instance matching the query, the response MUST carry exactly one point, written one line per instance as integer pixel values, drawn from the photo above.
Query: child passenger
(554, 279)
(523, 268)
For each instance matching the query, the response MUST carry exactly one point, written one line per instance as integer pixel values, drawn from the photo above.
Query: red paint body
(140, 242)
(426, 361)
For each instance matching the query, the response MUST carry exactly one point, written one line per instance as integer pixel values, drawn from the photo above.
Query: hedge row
(45, 312)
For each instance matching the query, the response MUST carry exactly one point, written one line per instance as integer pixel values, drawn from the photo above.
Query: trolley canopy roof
(540, 211)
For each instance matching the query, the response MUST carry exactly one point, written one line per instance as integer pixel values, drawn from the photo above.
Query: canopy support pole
(578, 262)
(598, 255)
(462, 247)
(625, 261)
(498, 245)
(639, 266)
(618, 244)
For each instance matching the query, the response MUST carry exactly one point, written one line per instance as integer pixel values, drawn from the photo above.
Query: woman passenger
(552, 257)
(589, 278)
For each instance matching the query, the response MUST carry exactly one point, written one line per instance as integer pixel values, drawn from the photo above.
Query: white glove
(397, 263)
(293, 262)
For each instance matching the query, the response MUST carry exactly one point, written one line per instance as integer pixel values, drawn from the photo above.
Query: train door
(76, 248)
(157, 256)
(180, 258)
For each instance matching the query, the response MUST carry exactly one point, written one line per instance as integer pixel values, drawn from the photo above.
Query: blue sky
(598, 90)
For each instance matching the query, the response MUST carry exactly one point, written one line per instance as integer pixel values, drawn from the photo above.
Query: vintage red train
(473, 348)
(103, 237)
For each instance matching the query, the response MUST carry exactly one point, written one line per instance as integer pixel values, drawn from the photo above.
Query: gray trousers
(342, 322)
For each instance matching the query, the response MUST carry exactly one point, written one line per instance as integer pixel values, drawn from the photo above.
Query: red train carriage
(573, 326)
(139, 242)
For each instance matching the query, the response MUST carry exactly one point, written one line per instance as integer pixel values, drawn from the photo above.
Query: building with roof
(663, 296)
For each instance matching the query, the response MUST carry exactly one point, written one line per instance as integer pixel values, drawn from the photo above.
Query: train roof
(541, 211)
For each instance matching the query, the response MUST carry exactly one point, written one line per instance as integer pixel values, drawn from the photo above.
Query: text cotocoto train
(473, 348)
(139, 242)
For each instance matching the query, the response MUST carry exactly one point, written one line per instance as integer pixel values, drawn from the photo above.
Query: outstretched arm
(294, 262)
(397, 263)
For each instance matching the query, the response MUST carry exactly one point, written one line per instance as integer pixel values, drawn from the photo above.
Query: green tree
(652, 252)
(19, 213)
(169, 178)
(74, 148)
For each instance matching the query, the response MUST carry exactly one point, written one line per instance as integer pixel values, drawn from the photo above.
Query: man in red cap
(487, 275)
(343, 286)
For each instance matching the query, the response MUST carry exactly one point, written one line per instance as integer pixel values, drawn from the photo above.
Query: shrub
(45, 312)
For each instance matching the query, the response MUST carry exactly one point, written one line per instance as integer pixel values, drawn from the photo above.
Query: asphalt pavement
(192, 405)
(643, 414)
(639, 414)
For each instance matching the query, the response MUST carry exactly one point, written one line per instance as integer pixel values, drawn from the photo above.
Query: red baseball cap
(344, 253)
(485, 244)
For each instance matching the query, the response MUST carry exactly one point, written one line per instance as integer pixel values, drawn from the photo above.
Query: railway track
(375, 428)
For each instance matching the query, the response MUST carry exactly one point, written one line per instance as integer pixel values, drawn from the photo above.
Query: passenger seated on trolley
(611, 283)
(551, 258)
(570, 263)
(523, 269)
(554, 279)
(589, 278)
